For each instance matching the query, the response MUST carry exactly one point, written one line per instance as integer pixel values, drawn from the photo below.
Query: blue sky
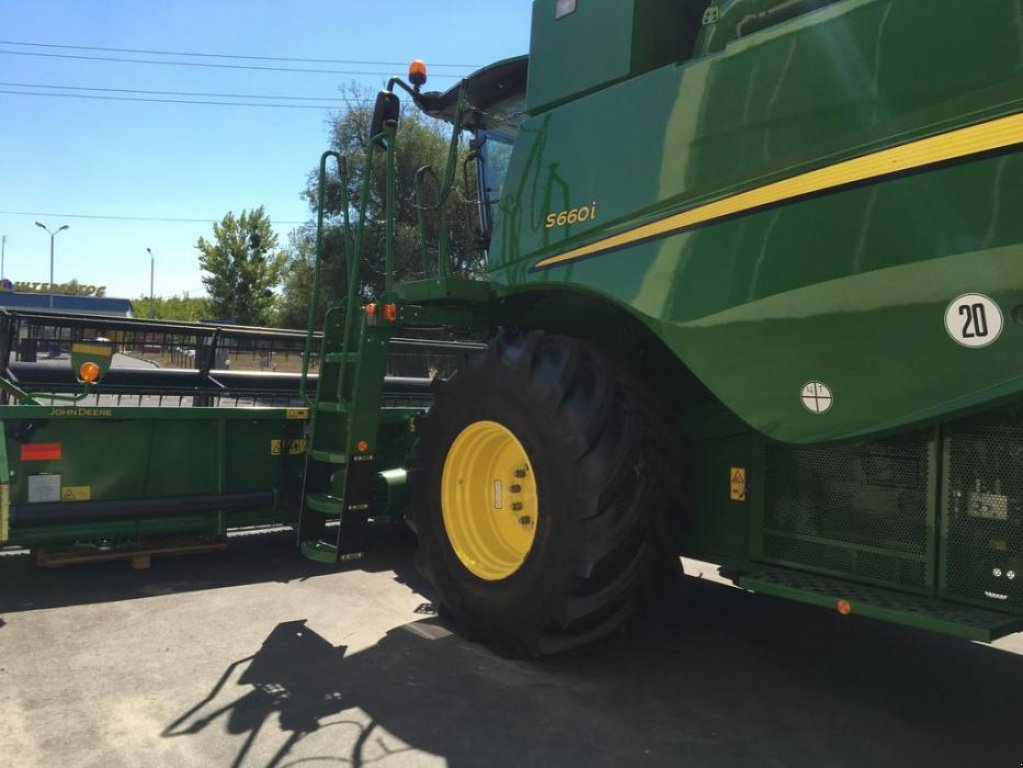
(61, 156)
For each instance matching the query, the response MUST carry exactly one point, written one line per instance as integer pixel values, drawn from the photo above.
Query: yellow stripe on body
(961, 143)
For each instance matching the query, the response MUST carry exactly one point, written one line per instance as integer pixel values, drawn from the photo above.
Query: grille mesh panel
(983, 507)
(855, 510)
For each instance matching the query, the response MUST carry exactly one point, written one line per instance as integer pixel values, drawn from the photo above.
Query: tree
(187, 309)
(293, 311)
(241, 268)
(420, 142)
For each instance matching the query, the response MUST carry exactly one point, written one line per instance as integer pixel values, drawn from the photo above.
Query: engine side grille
(982, 526)
(863, 511)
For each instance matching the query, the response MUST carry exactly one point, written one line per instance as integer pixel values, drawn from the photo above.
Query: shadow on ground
(732, 680)
(252, 558)
(739, 680)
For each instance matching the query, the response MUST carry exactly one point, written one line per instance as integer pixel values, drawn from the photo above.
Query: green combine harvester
(754, 296)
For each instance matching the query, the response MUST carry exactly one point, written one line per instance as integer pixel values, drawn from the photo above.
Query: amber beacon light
(417, 73)
(88, 372)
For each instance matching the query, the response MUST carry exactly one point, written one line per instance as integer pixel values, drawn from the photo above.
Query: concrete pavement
(256, 657)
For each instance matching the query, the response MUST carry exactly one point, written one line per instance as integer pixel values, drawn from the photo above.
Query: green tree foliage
(421, 142)
(241, 268)
(188, 309)
(293, 311)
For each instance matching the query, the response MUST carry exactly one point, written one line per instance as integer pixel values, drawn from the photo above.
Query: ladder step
(325, 552)
(329, 407)
(320, 551)
(329, 457)
(324, 503)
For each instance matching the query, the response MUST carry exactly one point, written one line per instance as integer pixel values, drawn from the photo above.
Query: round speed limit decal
(974, 320)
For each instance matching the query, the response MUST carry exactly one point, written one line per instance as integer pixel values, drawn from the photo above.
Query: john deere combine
(755, 296)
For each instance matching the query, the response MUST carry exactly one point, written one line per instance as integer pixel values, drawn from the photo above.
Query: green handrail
(443, 260)
(314, 301)
(354, 263)
(390, 133)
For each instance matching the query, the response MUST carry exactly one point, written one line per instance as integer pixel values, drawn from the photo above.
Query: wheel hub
(489, 500)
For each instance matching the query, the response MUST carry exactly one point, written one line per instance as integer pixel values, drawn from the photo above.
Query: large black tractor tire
(609, 495)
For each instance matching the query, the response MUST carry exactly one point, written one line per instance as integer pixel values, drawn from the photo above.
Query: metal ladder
(340, 463)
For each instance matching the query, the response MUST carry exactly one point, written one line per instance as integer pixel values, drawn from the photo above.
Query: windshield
(495, 140)
(495, 151)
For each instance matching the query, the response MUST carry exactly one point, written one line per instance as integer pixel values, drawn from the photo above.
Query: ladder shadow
(739, 680)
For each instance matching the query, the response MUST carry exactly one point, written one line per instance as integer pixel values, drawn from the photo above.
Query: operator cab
(496, 111)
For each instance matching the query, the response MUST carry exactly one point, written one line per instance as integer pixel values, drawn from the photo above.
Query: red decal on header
(40, 452)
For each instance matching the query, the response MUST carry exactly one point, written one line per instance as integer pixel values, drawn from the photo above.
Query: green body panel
(848, 288)
(108, 454)
(602, 43)
(139, 454)
(116, 450)
(721, 528)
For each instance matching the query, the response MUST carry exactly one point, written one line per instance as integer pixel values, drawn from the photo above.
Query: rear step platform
(884, 604)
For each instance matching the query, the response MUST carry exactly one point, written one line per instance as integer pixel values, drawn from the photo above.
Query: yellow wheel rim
(489, 501)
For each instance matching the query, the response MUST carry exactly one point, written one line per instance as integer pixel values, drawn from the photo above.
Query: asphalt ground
(256, 657)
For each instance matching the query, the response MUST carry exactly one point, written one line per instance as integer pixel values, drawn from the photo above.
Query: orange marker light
(417, 73)
(363, 446)
(844, 607)
(390, 312)
(88, 372)
(371, 309)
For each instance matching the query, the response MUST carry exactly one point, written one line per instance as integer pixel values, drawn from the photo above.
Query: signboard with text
(62, 289)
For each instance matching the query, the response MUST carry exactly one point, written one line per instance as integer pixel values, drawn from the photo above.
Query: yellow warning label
(737, 481)
(295, 447)
(92, 349)
(297, 414)
(76, 493)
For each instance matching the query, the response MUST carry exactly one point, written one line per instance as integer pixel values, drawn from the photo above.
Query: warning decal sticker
(76, 493)
(40, 452)
(737, 479)
(295, 447)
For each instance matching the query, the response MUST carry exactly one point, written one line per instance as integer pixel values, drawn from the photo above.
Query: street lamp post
(52, 235)
(152, 271)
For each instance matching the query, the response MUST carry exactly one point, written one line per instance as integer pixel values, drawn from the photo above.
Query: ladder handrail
(314, 301)
(352, 304)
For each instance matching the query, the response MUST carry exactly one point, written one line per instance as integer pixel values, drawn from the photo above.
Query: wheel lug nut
(516, 507)
(515, 488)
(520, 473)
(526, 520)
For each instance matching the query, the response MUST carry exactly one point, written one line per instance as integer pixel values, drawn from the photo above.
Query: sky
(119, 173)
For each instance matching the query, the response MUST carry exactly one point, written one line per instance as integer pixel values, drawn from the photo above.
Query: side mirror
(385, 114)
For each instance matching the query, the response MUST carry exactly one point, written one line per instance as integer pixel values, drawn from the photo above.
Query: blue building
(79, 305)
